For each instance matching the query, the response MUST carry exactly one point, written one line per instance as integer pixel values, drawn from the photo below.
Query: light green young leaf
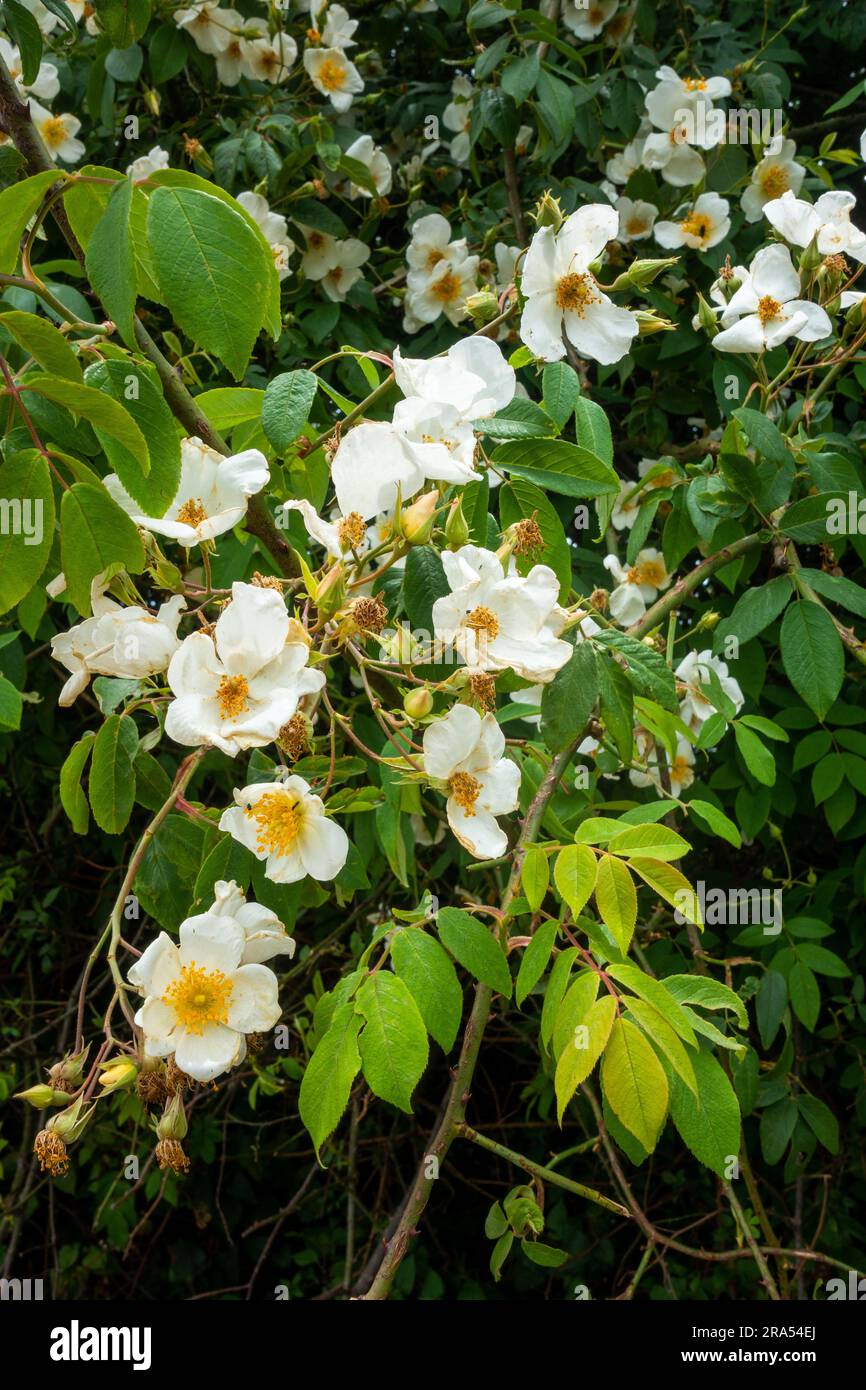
(634, 1082)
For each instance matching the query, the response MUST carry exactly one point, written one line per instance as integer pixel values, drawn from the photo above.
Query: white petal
(206, 1055)
(254, 1006)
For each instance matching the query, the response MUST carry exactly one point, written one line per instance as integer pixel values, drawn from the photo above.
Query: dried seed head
(256, 1042)
(176, 1081)
(50, 1150)
(836, 263)
(482, 688)
(598, 598)
(151, 1088)
(370, 614)
(528, 539)
(294, 737)
(170, 1154)
(268, 581)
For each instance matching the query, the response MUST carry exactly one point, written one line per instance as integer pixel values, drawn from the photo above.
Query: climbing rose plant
(431, 575)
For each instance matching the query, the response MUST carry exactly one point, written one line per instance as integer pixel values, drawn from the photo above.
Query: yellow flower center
(232, 693)
(192, 513)
(54, 132)
(434, 256)
(279, 816)
(696, 224)
(331, 75)
(315, 240)
(596, 15)
(352, 531)
(482, 620)
(446, 288)
(199, 997)
(465, 790)
(695, 84)
(648, 572)
(775, 181)
(574, 292)
(768, 308)
(635, 225)
(680, 770)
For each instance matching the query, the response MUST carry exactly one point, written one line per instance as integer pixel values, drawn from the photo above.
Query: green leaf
(655, 993)
(754, 611)
(574, 874)
(776, 1128)
(557, 984)
(557, 466)
(165, 881)
(646, 669)
(41, 340)
(649, 842)
(710, 1124)
(153, 784)
(534, 876)
(821, 1121)
(519, 499)
(100, 410)
(72, 797)
(17, 205)
(27, 531)
(710, 994)
(214, 272)
(112, 779)
(823, 961)
(671, 885)
(593, 429)
(634, 1082)
(432, 980)
(560, 386)
(124, 21)
(137, 387)
(616, 900)
(110, 262)
(757, 757)
(11, 705)
(327, 1081)
(535, 960)
(710, 816)
(569, 699)
(228, 861)
(423, 582)
(95, 533)
(805, 994)
(763, 435)
(838, 589)
(770, 1004)
(286, 407)
(393, 1045)
(577, 1062)
(664, 1039)
(812, 655)
(475, 948)
(545, 1255)
(576, 1004)
(27, 37)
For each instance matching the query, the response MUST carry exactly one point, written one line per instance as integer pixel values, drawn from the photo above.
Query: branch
(538, 1171)
(687, 585)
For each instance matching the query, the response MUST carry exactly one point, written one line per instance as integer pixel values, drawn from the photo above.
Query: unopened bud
(172, 1122)
(706, 317)
(71, 1123)
(456, 526)
(547, 212)
(642, 273)
(331, 592)
(482, 306)
(151, 100)
(415, 523)
(118, 1074)
(774, 830)
(41, 1096)
(649, 322)
(811, 257)
(418, 703)
(68, 1074)
(401, 646)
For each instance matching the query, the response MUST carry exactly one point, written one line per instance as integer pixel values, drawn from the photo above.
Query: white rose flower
(238, 688)
(620, 167)
(339, 535)
(828, 219)
(46, 83)
(473, 377)
(681, 772)
(700, 227)
(766, 310)
(563, 296)
(372, 460)
(264, 934)
(442, 442)
(200, 998)
(273, 228)
(58, 133)
(431, 242)
(333, 75)
(272, 59)
(339, 28)
(498, 622)
(464, 752)
(776, 174)
(587, 20)
(636, 219)
(375, 160)
(148, 164)
(285, 824)
(116, 641)
(637, 584)
(212, 494)
(694, 671)
(208, 26)
(457, 117)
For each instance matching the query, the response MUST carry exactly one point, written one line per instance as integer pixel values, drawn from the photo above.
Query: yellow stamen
(434, 256)
(465, 790)
(696, 224)
(482, 621)
(775, 181)
(279, 816)
(695, 84)
(199, 997)
(768, 308)
(331, 75)
(192, 513)
(352, 531)
(648, 572)
(53, 132)
(635, 225)
(446, 288)
(574, 292)
(231, 694)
